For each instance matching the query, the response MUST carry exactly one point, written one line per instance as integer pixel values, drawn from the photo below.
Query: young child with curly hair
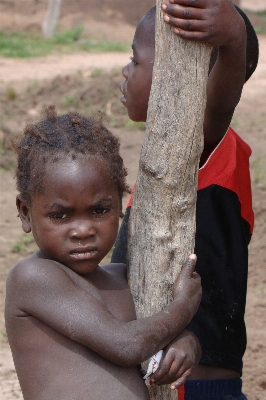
(70, 322)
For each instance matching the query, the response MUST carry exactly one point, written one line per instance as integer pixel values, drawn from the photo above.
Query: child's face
(75, 220)
(138, 73)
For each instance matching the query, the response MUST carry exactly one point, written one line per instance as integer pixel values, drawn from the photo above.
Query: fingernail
(166, 18)
(164, 7)
(192, 256)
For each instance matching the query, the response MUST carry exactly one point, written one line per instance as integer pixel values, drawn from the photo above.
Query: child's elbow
(130, 354)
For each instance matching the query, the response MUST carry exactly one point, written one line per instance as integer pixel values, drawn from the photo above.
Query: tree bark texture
(52, 18)
(162, 222)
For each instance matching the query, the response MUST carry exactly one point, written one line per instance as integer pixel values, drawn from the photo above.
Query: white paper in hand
(153, 365)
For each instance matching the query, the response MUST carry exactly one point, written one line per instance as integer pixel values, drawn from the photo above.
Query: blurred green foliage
(23, 45)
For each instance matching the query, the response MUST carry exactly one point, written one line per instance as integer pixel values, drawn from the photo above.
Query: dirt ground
(37, 82)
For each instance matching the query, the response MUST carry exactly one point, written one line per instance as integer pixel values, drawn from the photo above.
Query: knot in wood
(183, 206)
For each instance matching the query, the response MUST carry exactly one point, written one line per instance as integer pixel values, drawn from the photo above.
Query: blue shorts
(220, 389)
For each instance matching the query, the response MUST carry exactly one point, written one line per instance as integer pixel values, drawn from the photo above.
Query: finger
(189, 3)
(177, 11)
(172, 371)
(158, 378)
(168, 370)
(163, 369)
(196, 36)
(189, 267)
(181, 381)
(186, 24)
(171, 376)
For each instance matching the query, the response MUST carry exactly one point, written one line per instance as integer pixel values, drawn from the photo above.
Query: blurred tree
(52, 17)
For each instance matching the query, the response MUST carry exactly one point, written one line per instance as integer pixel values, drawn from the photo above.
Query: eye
(100, 211)
(59, 216)
(133, 60)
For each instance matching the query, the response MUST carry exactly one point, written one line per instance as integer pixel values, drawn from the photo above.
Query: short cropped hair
(54, 137)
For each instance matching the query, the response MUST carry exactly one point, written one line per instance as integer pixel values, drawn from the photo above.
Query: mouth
(83, 253)
(122, 98)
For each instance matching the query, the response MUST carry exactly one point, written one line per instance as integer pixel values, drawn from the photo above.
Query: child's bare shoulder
(31, 276)
(32, 269)
(26, 269)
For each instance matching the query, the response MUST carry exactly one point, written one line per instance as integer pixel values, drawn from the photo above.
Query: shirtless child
(71, 323)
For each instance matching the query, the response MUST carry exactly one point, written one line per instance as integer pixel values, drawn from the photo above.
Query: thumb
(189, 267)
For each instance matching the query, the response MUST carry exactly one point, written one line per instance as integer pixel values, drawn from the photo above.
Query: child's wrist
(184, 308)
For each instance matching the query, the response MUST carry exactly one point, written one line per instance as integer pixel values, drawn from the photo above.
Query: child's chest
(115, 293)
(120, 304)
(112, 290)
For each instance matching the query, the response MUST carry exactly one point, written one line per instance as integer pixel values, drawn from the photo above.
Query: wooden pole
(162, 222)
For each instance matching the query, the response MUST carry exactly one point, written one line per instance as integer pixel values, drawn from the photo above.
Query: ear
(23, 214)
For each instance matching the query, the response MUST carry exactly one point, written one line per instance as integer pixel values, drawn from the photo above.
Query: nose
(125, 71)
(82, 230)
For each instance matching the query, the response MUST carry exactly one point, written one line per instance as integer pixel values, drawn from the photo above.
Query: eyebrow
(57, 205)
(134, 49)
(64, 207)
(103, 201)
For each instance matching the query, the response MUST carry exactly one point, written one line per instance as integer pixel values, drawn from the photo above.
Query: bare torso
(52, 366)
(209, 372)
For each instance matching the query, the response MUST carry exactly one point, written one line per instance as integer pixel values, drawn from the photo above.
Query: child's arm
(217, 23)
(179, 359)
(44, 290)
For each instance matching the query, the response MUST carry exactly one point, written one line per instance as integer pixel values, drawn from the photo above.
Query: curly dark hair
(54, 137)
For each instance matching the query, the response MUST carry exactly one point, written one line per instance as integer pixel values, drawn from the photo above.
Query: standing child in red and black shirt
(224, 207)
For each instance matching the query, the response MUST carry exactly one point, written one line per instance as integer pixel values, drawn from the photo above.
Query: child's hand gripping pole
(188, 285)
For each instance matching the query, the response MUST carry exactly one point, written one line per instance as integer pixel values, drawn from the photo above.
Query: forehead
(144, 39)
(78, 175)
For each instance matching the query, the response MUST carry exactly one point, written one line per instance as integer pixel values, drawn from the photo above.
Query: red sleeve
(228, 166)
